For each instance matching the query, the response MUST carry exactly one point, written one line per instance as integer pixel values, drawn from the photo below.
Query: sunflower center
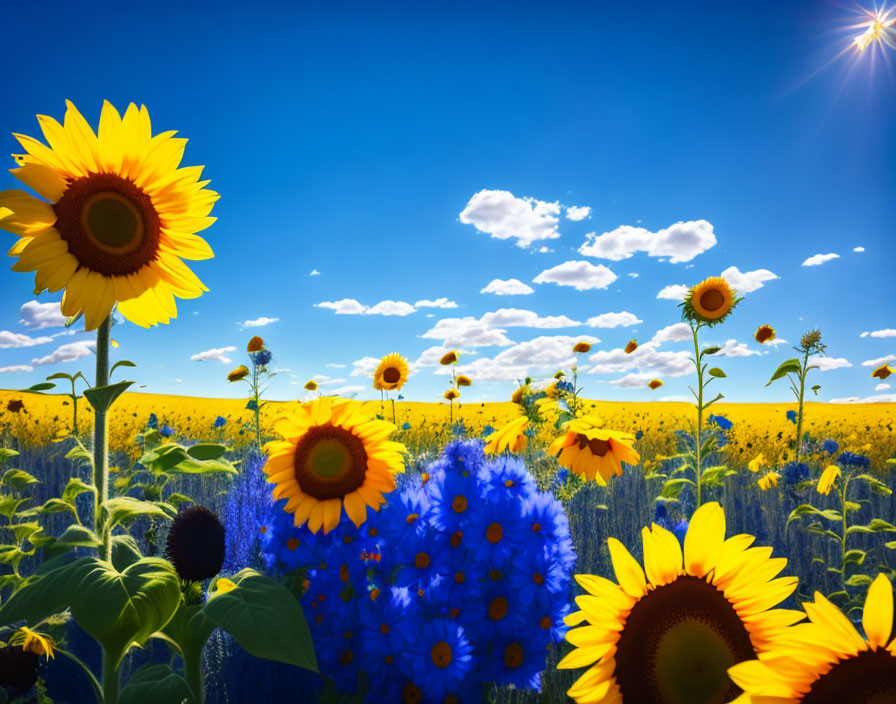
(678, 643)
(110, 224)
(513, 656)
(497, 610)
(330, 462)
(494, 533)
(867, 678)
(391, 375)
(441, 655)
(712, 300)
(598, 447)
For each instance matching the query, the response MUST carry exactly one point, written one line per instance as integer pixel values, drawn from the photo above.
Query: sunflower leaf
(718, 373)
(125, 508)
(39, 388)
(102, 397)
(791, 366)
(858, 580)
(156, 683)
(18, 479)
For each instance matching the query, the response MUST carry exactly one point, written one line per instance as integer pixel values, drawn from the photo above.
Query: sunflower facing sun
(118, 218)
(593, 452)
(670, 635)
(333, 456)
(710, 301)
(391, 374)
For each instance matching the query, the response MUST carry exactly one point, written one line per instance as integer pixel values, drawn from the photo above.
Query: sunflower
(668, 637)
(255, 344)
(332, 456)
(33, 642)
(654, 384)
(882, 372)
(241, 372)
(518, 394)
(451, 395)
(464, 380)
(311, 385)
(509, 437)
(631, 346)
(764, 333)
(755, 464)
(196, 544)
(710, 301)
(769, 480)
(593, 452)
(391, 373)
(826, 660)
(119, 216)
(448, 358)
(582, 347)
(827, 478)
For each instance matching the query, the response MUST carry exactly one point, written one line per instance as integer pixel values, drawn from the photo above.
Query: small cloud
(858, 249)
(680, 242)
(17, 368)
(887, 332)
(747, 281)
(544, 250)
(633, 381)
(614, 320)
(504, 216)
(14, 339)
(733, 348)
(865, 334)
(578, 212)
(826, 364)
(880, 398)
(819, 259)
(41, 315)
(508, 287)
(258, 322)
(581, 275)
(467, 332)
(365, 366)
(879, 387)
(67, 353)
(519, 317)
(880, 360)
(335, 366)
(674, 292)
(677, 332)
(438, 303)
(391, 308)
(633, 274)
(345, 306)
(219, 354)
(314, 272)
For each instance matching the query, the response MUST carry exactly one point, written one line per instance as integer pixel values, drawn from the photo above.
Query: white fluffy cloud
(680, 242)
(733, 348)
(880, 360)
(673, 333)
(349, 306)
(614, 320)
(347, 391)
(578, 212)
(314, 272)
(888, 332)
(503, 216)
(15, 339)
(826, 364)
(41, 315)
(365, 366)
(67, 353)
(258, 322)
(858, 249)
(344, 306)
(547, 352)
(818, 259)
(880, 387)
(218, 354)
(509, 287)
(388, 307)
(674, 292)
(879, 398)
(633, 381)
(17, 368)
(518, 317)
(581, 275)
(647, 356)
(437, 303)
(747, 281)
(467, 332)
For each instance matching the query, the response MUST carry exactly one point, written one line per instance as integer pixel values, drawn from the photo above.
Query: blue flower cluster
(261, 358)
(220, 422)
(849, 459)
(566, 386)
(791, 416)
(456, 582)
(795, 472)
(831, 446)
(721, 421)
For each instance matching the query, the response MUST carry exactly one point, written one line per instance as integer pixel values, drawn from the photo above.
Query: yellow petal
(628, 572)
(877, 618)
(704, 539)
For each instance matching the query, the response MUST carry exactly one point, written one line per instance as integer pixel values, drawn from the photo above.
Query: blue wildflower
(791, 416)
(519, 660)
(721, 421)
(506, 476)
(459, 428)
(165, 431)
(405, 426)
(249, 499)
(795, 472)
(680, 529)
(661, 516)
(496, 532)
(853, 460)
(487, 430)
(441, 657)
(639, 435)
(566, 386)
(153, 422)
(831, 446)
(220, 421)
(261, 358)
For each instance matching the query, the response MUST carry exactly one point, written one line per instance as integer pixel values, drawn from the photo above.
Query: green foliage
(791, 366)
(152, 684)
(102, 397)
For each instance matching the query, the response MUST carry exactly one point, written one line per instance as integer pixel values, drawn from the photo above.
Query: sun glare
(880, 28)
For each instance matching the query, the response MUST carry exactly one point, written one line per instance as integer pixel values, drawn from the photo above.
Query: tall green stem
(101, 440)
(110, 679)
(844, 484)
(193, 672)
(699, 458)
(394, 419)
(799, 418)
(257, 409)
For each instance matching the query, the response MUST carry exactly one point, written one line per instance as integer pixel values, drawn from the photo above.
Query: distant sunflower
(509, 437)
(631, 346)
(769, 480)
(311, 385)
(654, 384)
(518, 394)
(882, 372)
(582, 347)
(764, 333)
(464, 380)
(448, 358)
(333, 456)
(255, 344)
(391, 373)
(118, 219)
(755, 464)
(451, 395)
(592, 452)
(827, 479)
(710, 301)
(34, 642)
(669, 637)
(241, 372)
(826, 661)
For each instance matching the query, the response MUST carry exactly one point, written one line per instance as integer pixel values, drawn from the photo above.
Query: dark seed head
(196, 544)
(18, 669)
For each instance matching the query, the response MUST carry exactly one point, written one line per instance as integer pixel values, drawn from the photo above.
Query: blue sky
(407, 151)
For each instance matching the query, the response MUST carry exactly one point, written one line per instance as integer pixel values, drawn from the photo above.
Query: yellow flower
(241, 372)
(654, 384)
(582, 347)
(333, 456)
(391, 373)
(255, 344)
(756, 463)
(769, 480)
(765, 333)
(464, 380)
(668, 632)
(882, 372)
(517, 395)
(826, 481)
(559, 374)
(509, 437)
(592, 452)
(311, 385)
(826, 659)
(33, 642)
(118, 218)
(451, 395)
(448, 358)
(709, 301)
(224, 585)
(631, 346)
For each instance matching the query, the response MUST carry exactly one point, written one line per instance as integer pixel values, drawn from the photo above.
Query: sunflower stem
(800, 396)
(698, 460)
(193, 672)
(110, 679)
(101, 440)
(394, 421)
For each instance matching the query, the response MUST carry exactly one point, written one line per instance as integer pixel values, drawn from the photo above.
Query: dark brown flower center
(711, 300)
(391, 375)
(598, 447)
(441, 655)
(867, 678)
(497, 609)
(513, 656)
(110, 225)
(678, 643)
(330, 462)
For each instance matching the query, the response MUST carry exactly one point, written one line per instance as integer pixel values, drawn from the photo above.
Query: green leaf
(264, 618)
(38, 388)
(206, 450)
(877, 486)
(858, 580)
(152, 684)
(810, 510)
(715, 476)
(791, 366)
(707, 405)
(54, 506)
(122, 363)
(125, 551)
(6, 453)
(177, 499)
(177, 459)
(78, 537)
(23, 531)
(854, 557)
(816, 388)
(840, 598)
(711, 350)
(80, 454)
(18, 479)
(116, 608)
(190, 630)
(102, 397)
(718, 373)
(60, 375)
(75, 487)
(125, 508)
(673, 487)
(9, 505)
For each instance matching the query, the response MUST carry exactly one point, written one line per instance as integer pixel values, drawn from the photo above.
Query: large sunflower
(594, 452)
(668, 637)
(333, 455)
(825, 661)
(118, 218)
(710, 301)
(391, 373)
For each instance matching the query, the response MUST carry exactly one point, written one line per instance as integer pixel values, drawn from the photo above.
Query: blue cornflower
(831, 446)
(791, 416)
(506, 476)
(454, 499)
(519, 660)
(165, 431)
(153, 422)
(499, 611)
(459, 428)
(537, 575)
(721, 421)
(262, 358)
(661, 516)
(529, 432)
(680, 529)
(423, 563)
(388, 620)
(440, 658)
(406, 519)
(496, 532)
(220, 421)
(405, 426)
(639, 435)
(252, 405)
(562, 475)
(566, 386)
(547, 520)
(795, 472)
(487, 430)
(853, 460)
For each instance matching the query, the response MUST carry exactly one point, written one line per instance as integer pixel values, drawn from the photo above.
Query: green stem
(575, 390)
(844, 484)
(101, 440)
(257, 409)
(97, 689)
(394, 421)
(193, 672)
(699, 459)
(110, 679)
(799, 418)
